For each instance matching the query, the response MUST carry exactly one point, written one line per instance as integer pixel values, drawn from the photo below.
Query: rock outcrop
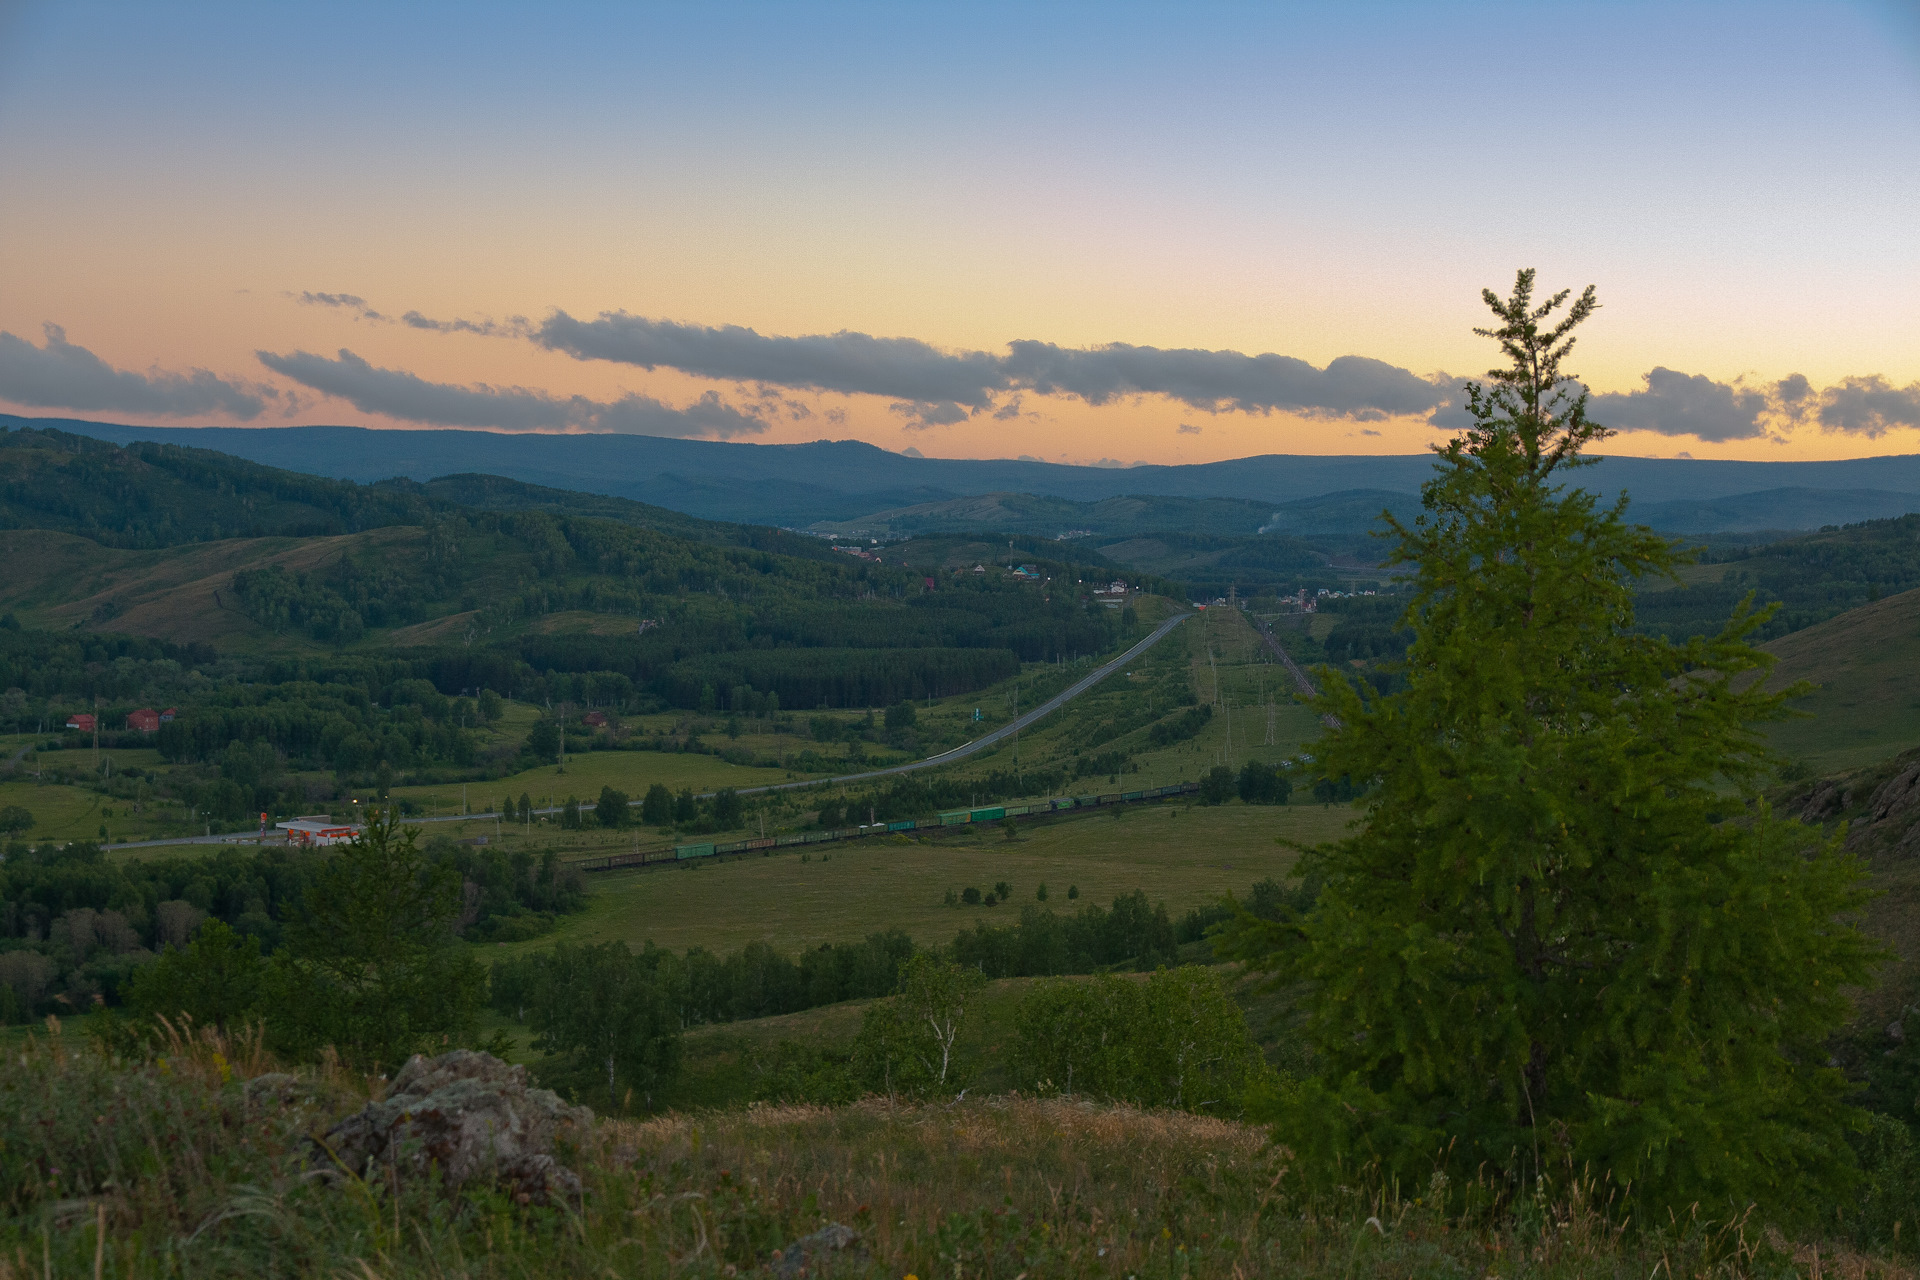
(466, 1117)
(826, 1250)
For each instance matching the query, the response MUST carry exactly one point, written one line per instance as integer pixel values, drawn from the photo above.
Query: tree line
(76, 928)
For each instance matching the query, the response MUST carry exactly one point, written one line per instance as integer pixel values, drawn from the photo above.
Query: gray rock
(277, 1087)
(813, 1255)
(466, 1116)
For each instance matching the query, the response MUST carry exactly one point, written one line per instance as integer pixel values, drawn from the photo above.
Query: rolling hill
(1052, 517)
(161, 495)
(843, 480)
(1866, 664)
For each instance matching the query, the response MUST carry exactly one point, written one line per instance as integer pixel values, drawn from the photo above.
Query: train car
(1134, 795)
(1020, 810)
(764, 842)
(955, 818)
(1061, 804)
(1086, 802)
(901, 826)
(993, 814)
(693, 851)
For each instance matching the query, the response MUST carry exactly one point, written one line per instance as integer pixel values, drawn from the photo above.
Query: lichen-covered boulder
(465, 1116)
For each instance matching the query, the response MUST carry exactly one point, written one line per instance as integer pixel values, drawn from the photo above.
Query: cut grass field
(1866, 663)
(1185, 856)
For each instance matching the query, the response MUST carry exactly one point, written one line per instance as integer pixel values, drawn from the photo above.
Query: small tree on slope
(1543, 951)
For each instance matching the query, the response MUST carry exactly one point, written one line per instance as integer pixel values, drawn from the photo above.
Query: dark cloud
(918, 374)
(61, 375)
(1869, 406)
(930, 387)
(485, 328)
(1682, 404)
(1793, 391)
(854, 363)
(921, 416)
(342, 301)
(398, 394)
(1187, 429)
(1221, 380)
(1672, 404)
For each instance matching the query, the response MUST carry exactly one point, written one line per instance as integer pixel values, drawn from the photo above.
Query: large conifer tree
(1563, 936)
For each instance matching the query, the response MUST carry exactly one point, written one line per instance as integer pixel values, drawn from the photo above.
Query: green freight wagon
(693, 851)
(955, 818)
(989, 815)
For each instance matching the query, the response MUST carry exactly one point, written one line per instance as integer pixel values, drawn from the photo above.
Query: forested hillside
(689, 607)
(1815, 577)
(148, 495)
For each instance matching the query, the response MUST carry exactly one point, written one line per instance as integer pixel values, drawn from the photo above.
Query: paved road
(979, 744)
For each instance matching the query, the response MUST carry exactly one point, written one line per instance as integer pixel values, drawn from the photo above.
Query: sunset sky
(1166, 233)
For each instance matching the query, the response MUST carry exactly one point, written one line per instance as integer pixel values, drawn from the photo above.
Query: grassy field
(1866, 663)
(1184, 856)
(62, 811)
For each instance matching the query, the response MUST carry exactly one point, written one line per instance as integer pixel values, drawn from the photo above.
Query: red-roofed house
(596, 718)
(166, 717)
(145, 720)
(81, 721)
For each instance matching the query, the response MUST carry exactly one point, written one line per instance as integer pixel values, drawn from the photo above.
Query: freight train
(951, 818)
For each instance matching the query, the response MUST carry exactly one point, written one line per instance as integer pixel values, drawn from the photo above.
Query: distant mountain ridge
(843, 480)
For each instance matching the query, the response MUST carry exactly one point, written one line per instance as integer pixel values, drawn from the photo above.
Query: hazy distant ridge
(844, 480)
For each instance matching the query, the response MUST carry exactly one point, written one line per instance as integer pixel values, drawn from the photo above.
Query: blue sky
(1315, 182)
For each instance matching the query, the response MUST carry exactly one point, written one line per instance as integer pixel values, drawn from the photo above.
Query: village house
(82, 721)
(145, 720)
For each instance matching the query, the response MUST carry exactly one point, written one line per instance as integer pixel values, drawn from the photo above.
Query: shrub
(611, 809)
(1217, 786)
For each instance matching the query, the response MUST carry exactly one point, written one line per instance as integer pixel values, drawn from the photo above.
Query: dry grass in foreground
(164, 1168)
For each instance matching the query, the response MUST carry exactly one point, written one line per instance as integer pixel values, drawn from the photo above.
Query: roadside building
(321, 830)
